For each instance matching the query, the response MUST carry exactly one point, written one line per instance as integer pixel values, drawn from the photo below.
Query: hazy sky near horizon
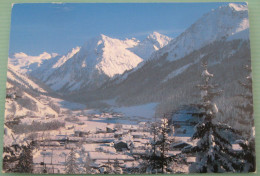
(49, 27)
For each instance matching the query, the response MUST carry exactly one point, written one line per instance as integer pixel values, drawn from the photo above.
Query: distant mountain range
(98, 60)
(157, 69)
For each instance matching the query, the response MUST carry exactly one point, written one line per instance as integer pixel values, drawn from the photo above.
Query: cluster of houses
(121, 143)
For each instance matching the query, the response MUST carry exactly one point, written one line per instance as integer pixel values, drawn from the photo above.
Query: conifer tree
(163, 143)
(109, 168)
(245, 108)
(156, 157)
(117, 168)
(71, 166)
(134, 169)
(246, 123)
(25, 164)
(213, 151)
(87, 165)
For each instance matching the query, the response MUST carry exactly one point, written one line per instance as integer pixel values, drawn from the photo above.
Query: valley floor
(116, 134)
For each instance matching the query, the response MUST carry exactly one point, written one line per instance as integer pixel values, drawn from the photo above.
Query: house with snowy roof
(81, 131)
(184, 121)
(184, 118)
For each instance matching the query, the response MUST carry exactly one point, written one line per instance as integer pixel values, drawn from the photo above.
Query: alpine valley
(133, 72)
(128, 82)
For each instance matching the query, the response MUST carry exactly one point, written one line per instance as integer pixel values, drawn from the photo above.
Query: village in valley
(107, 141)
(103, 140)
(154, 105)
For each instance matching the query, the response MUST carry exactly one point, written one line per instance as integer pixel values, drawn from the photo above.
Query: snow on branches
(71, 166)
(213, 150)
(246, 123)
(245, 108)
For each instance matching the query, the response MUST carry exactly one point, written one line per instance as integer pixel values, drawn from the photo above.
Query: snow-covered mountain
(109, 56)
(173, 83)
(91, 65)
(25, 97)
(25, 63)
(60, 61)
(98, 60)
(104, 65)
(218, 24)
(15, 77)
(170, 79)
(49, 66)
(229, 22)
(149, 45)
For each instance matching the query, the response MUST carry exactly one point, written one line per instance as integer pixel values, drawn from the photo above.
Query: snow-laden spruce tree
(109, 168)
(213, 150)
(246, 123)
(156, 158)
(87, 165)
(164, 143)
(25, 163)
(117, 168)
(10, 156)
(245, 114)
(71, 166)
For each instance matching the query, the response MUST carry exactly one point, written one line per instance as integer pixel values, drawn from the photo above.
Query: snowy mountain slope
(27, 105)
(218, 24)
(244, 34)
(107, 68)
(26, 64)
(110, 56)
(223, 31)
(228, 23)
(64, 58)
(25, 97)
(173, 83)
(23, 80)
(49, 66)
(95, 62)
(98, 60)
(152, 43)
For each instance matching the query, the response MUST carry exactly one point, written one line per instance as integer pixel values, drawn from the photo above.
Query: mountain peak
(218, 24)
(154, 35)
(103, 36)
(233, 7)
(152, 43)
(66, 57)
(45, 55)
(158, 39)
(26, 63)
(238, 7)
(41, 56)
(20, 55)
(99, 59)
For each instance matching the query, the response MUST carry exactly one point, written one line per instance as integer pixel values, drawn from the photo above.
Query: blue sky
(36, 28)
